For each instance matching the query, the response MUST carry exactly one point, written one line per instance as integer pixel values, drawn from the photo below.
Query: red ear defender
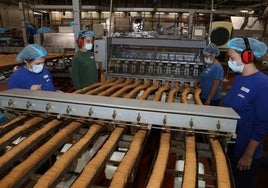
(247, 55)
(80, 42)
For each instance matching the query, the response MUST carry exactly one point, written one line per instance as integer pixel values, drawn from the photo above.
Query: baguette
(158, 173)
(93, 166)
(190, 168)
(223, 176)
(19, 172)
(62, 163)
(125, 168)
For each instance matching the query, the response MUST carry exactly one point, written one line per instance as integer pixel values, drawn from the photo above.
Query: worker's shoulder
(19, 70)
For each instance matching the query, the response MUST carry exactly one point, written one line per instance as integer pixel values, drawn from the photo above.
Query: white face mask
(236, 68)
(88, 46)
(207, 60)
(37, 68)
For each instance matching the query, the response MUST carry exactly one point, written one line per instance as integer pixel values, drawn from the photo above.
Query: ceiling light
(244, 11)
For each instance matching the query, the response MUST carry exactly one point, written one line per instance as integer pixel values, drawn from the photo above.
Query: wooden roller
(93, 166)
(21, 171)
(48, 179)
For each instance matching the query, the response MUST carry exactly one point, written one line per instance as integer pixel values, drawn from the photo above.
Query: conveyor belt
(94, 165)
(129, 141)
(60, 166)
(26, 145)
(23, 171)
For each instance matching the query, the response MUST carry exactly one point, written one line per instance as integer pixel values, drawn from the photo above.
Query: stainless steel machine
(158, 114)
(142, 55)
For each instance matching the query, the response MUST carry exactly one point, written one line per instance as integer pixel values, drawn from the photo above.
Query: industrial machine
(60, 125)
(142, 126)
(142, 55)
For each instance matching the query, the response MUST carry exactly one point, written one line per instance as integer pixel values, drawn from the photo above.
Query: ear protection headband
(80, 40)
(247, 55)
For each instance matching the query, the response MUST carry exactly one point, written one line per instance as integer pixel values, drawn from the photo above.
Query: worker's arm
(245, 161)
(212, 92)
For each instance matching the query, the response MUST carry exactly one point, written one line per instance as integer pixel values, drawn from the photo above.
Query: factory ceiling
(258, 6)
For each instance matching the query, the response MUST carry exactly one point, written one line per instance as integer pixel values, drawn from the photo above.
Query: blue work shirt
(248, 96)
(207, 76)
(24, 79)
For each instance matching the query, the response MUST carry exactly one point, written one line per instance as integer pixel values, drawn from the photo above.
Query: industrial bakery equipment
(148, 56)
(78, 129)
(143, 125)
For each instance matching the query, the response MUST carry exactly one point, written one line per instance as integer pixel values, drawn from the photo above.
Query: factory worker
(30, 31)
(84, 68)
(32, 74)
(248, 96)
(210, 79)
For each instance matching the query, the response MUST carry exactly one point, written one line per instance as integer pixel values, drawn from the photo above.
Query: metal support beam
(77, 19)
(23, 26)
(195, 117)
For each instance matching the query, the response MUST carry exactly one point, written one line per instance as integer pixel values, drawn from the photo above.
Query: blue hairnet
(85, 33)
(32, 51)
(259, 48)
(211, 49)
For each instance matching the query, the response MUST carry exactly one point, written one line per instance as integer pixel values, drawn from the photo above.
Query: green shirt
(84, 69)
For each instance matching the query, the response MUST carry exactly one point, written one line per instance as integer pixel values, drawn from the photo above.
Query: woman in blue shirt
(211, 77)
(248, 96)
(33, 75)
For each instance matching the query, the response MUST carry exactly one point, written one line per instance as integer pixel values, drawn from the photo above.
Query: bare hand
(207, 102)
(36, 87)
(244, 162)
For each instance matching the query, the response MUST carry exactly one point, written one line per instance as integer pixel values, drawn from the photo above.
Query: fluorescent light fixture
(244, 11)
(37, 13)
(247, 11)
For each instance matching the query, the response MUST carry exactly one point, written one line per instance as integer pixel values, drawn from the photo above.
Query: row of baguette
(126, 166)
